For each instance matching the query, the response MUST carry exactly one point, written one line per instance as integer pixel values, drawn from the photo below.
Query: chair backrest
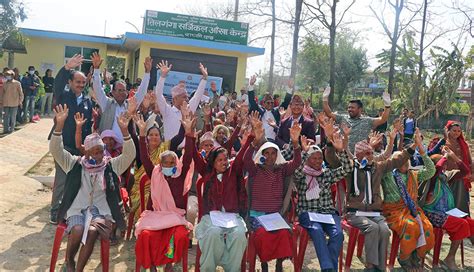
(143, 181)
(199, 189)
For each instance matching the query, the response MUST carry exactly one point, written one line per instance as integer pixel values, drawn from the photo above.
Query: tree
(11, 12)
(313, 64)
(296, 31)
(319, 9)
(272, 50)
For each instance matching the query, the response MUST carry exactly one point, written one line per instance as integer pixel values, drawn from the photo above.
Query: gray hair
(168, 153)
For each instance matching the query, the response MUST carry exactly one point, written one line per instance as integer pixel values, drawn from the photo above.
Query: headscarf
(465, 153)
(111, 134)
(313, 190)
(96, 170)
(258, 156)
(362, 147)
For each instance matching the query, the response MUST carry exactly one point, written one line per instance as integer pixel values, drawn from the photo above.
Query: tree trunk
(393, 52)
(294, 53)
(272, 50)
(332, 51)
(419, 84)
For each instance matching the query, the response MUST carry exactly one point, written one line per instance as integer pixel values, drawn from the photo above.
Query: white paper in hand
(321, 218)
(223, 219)
(456, 213)
(273, 221)
(86, 226)
(367, 214)
(421, 239)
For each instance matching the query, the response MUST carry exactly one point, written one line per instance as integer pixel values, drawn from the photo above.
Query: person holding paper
(316, 210)
(364, 201)
(267, 173)
(172, 114)
(223, 193)
(91, 196)
(403, 214)
(162, 233)
(437, 201)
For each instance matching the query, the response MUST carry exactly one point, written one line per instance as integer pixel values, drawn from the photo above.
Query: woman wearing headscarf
(162, 233)
(437, 199)
(267, 173)
(90, 203)
(223, 191)
(402, 212)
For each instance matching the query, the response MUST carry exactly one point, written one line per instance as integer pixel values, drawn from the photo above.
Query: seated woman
(162, 233)
(91, 197)
(401, 210)
(437, 199)
(223, 191)
(267, 172)
(221, 135)
(314, 196)
(155, 146)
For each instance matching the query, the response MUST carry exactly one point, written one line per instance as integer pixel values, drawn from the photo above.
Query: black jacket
(275, 111)
(112, 191)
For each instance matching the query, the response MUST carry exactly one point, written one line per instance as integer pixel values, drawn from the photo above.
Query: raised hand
(271, 122)
(203, 71)
(206, 109)
(337, 141)
(80, 120)
(74, 62)
(123, 119)
(253, 79)
(386, 99)
(246, 133)
(132, 106)
(61, 112)
(189, 124)
(375, 138)
(96, 60)
(326, 93)
(146, 101)
(106, 77)
(418, 140)
(164, 68)
(346, 129)
(140, 123)
(305, 143)
(290, 83)
(295, 132)
(282, 111)
(254, 118)
(148, 63)
(185, 109)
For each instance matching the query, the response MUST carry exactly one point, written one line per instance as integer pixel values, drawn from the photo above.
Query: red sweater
(176, 184)
(225, 193)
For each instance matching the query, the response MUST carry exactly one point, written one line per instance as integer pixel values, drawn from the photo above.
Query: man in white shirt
(172, 114)
(112, 108)
(244, 97)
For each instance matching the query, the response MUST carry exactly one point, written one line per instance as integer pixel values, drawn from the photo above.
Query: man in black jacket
(76, 101)
(269, 114)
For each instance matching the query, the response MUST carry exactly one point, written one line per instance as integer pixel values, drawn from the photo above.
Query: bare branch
(344, 13)
(382, 22)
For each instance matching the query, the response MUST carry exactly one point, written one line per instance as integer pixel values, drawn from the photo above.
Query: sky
(115, 17)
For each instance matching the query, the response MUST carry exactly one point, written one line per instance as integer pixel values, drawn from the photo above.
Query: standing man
(360, 125)
(30, 84)
(48, 81)
(76, 102)
(172, 114)
(11, 99)
(409, 123)
(112, 107)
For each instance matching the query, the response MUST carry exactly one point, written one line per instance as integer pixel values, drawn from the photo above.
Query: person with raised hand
(360, 125)
(113, 107)
(172, 114)
(402, 211)
(268, 169)
(77, 102)
(91, 195)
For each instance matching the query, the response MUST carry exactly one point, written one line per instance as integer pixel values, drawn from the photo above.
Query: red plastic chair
(149, 206)
(197, 266)
(144, 178)
(104, 249)
(437, 248)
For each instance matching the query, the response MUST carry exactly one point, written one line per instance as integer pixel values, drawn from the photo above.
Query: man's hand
(326, 94)
(74, 62)
(148, 63)
(61, 112)
(164, 68)
(189, 124)
(337, 141)
(253, 79)
(96, 60)
(203, 71)
(132, 106)
(80, 120)
(123, 121)
(386, 99)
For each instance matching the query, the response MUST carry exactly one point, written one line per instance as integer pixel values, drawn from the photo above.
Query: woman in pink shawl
(162, 233)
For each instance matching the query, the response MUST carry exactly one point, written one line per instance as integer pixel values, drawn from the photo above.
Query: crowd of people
(216, 166)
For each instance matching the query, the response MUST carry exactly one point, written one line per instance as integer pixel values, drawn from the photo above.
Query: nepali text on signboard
(194, 27)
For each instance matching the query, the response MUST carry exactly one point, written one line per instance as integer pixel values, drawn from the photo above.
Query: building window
(86, 52)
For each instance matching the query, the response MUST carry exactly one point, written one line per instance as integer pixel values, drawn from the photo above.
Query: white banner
(192, 82)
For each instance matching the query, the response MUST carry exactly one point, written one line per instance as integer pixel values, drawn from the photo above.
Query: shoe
(53, 222)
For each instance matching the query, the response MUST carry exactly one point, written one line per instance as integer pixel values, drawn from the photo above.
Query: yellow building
(50, 50)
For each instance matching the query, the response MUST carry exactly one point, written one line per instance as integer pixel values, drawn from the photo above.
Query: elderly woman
(221, 135)
(404, 216)
(267, 173)
(223, 191)
(162, 233)
(91, 199)
(437, 199)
